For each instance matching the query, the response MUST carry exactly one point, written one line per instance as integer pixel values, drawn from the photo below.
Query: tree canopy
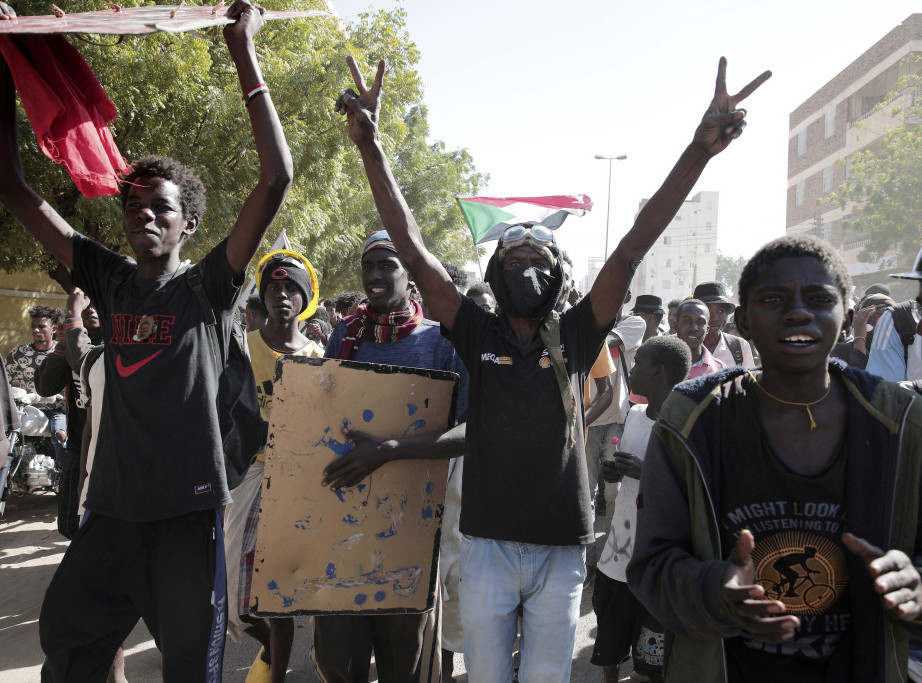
(729, 270)
(178, 96)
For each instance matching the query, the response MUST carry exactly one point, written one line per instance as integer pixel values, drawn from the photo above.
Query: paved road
(30, 550)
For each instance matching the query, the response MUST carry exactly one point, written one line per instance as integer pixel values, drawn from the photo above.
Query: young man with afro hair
(778, 517)
(151, 546)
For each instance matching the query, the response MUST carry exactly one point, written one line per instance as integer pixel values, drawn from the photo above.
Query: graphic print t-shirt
(22, 363)
(159, 451)
(263, 358)
(797, 522)
(619, 546)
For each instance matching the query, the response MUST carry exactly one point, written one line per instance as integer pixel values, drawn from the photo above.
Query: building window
(667, 284)
(668, 263)
(802, 142)
(707, 248)
(799, 193)
(830, 122)
(709, 204)
(667, 239)
(828, 175)
(707, 226)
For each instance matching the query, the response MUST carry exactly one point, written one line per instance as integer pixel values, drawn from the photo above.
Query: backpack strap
(194, 278)
(905, 325)
(736, 348)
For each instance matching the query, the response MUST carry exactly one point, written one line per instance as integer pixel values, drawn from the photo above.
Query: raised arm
(361, 110)
(266, 199)
(30, 209)
(722, 123)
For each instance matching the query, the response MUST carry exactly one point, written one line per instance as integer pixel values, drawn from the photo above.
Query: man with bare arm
(525, 494)
(151, 546)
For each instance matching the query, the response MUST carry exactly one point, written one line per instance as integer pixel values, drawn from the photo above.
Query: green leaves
(883, 187)
(178, 96)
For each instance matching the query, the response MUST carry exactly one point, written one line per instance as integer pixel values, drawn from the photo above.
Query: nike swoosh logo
(129, 370)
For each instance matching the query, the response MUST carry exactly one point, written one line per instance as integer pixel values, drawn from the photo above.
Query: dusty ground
(30, 549)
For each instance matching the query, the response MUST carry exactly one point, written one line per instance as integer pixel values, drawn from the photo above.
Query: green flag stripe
(481, 217)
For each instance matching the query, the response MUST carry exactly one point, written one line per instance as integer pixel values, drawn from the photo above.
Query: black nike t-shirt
(158, 452)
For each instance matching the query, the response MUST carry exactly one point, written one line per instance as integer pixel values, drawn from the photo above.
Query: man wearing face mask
(525, 507)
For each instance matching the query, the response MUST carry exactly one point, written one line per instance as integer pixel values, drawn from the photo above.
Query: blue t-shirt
(424, 348)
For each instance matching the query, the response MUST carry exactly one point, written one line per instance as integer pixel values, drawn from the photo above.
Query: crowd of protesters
(764, 494)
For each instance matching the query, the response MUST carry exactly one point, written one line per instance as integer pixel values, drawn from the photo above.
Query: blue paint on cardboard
(411, 408)
(368, 416)
(427, 512)
(414, 426)
(380, 595)
(341, 494)
(272, 585)
(338, 447)
(430, 487)
(331, 571)
(402, 582)
(349, 519)
(361, 487)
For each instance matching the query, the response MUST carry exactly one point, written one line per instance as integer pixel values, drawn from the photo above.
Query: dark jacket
(677, 566)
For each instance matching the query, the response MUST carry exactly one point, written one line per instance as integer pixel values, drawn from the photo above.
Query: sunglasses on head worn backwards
(521, 234)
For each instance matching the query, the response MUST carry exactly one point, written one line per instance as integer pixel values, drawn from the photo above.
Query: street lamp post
(620, 157)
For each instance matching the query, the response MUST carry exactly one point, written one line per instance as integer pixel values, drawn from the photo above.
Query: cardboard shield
(370, 549)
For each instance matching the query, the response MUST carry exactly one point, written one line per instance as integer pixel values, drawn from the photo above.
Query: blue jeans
(497, 576)
(57, 420)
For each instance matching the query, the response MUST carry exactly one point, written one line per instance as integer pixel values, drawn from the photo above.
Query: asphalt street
(30, 550)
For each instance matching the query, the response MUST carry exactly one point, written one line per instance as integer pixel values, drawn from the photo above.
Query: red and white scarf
(381, 328)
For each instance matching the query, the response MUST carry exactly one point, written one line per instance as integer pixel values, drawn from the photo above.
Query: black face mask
(528, 289)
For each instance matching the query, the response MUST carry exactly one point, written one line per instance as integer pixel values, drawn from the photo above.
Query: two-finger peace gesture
(723, 122)
(362, 108)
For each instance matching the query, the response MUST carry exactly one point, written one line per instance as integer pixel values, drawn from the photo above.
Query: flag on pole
(488, 217)
(281, 242)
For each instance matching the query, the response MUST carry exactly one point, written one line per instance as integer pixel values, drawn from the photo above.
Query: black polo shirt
(521, 483)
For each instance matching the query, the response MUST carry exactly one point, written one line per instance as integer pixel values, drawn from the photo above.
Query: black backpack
(736, 348)
(243, 430)
(904, 324)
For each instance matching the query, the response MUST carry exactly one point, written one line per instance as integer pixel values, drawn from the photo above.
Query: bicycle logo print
(803, 570)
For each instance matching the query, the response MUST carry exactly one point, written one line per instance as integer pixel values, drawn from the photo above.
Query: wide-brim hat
(648, 303)
(875, 300)
(712, 293)
(915, 273)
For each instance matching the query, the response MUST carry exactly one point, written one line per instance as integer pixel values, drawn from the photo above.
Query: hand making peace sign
(723, 122)
(362, 108)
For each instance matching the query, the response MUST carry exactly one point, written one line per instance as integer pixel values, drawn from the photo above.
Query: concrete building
(838, 120)
(685, 254)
